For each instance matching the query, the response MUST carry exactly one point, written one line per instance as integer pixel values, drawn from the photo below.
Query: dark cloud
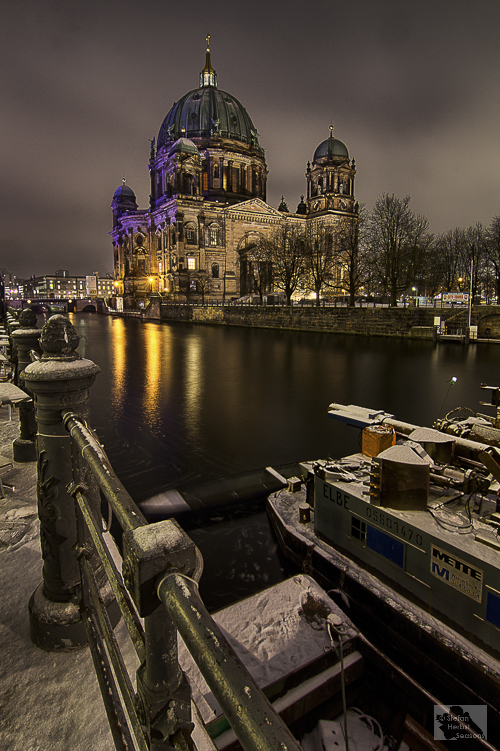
(410, 88)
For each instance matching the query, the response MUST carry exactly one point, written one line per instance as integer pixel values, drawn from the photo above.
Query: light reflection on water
(194, 380)
(177, 402)
(208, 399)
(119, 364)
(154, 378)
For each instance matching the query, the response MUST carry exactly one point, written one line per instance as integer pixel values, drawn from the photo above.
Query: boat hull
(440, 660)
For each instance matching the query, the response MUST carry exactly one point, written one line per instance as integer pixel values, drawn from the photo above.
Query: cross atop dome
(208, 76)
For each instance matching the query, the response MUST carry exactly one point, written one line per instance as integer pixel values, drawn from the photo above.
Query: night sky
(411, 89)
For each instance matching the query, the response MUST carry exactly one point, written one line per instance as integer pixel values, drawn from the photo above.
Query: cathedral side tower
(330, 179)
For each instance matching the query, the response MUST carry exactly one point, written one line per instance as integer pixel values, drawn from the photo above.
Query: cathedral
(207, 208)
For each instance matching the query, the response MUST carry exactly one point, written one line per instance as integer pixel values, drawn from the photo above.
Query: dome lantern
(208, 76)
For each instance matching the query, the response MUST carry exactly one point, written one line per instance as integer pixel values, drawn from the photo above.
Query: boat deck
(456, 517)
(442, 660)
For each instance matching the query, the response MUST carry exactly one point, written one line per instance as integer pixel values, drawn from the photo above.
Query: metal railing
(160, 568)
(83, 594)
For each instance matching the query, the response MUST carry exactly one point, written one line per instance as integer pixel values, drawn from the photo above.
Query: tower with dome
(207, 211)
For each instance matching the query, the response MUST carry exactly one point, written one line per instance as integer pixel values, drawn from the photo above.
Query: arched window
(213, 234)
(215, 270)
(190, 234)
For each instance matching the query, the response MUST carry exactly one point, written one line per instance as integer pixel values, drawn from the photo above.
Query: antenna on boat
(452, 382)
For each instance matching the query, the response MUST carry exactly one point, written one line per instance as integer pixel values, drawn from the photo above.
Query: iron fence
(161, 566)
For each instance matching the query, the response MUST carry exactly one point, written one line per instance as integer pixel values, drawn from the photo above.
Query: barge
(406, 534)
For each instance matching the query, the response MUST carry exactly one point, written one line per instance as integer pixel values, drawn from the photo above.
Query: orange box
(377, 438)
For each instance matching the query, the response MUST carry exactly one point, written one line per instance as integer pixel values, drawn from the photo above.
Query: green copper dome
(331, 147)
(207, 112)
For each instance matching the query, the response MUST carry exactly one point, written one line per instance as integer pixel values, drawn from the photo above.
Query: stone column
(25, 338)
(59, 381)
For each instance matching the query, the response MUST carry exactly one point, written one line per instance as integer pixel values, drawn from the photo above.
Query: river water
(178, 402)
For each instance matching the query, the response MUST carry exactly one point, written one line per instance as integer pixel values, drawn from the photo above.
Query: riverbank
(47, 700)
(411, 323)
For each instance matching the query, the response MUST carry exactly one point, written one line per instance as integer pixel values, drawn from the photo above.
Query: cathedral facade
(208, 209)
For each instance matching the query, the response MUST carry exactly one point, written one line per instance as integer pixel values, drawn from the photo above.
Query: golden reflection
(152, 374)
(118, 340)
(194, 387)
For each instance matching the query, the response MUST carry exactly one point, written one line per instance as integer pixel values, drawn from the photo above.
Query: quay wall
(406, 322)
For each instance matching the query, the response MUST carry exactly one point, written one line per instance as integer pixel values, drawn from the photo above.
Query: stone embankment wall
(408, 322)
(366, 321)
(174, 313)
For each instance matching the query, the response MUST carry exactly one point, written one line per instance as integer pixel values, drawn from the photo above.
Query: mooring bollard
(25, 338)
(59, 381)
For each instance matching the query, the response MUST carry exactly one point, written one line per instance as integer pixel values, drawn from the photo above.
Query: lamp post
(415, 294)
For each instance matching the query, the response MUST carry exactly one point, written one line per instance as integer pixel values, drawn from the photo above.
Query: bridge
(60, 305)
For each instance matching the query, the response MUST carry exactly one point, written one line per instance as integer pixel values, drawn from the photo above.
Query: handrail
(251, 715)
(128, 514)
(253, 718)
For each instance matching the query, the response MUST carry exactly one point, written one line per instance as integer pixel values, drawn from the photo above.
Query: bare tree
(187, 283)
(473, 257)
(285, 250)
(202, 284)
(398, 244)
(493, 252)
(449, 248)
(351, 253)
(319, 255)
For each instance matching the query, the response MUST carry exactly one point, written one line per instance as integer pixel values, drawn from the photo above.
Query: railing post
(25, 338)
(12, 322)
(163, 693)
(59, 381)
